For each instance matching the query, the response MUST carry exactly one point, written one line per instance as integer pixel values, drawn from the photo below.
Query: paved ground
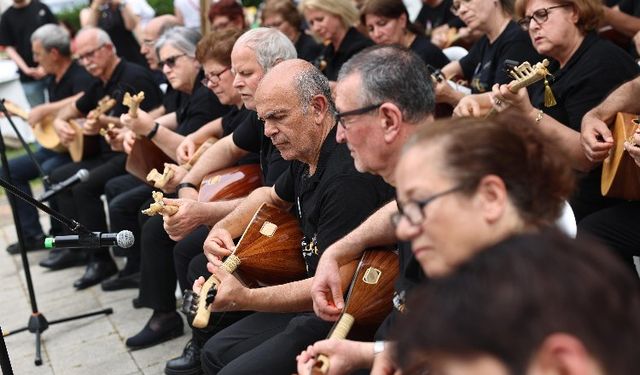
(92, 345)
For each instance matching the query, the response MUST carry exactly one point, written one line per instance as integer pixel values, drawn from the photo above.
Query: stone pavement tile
(157, 356)
(23, 365)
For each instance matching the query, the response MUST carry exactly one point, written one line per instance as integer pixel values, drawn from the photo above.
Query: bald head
(294, 99)
(298, 78)
(96, 52)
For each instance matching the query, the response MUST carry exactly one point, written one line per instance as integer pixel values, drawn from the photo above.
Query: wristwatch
(378, 347)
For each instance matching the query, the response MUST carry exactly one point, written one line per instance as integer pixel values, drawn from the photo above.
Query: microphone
(123, 239)
(81, 176)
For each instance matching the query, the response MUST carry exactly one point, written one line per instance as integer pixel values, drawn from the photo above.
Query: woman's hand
(65, 131)
(504, 99)
(476, 105)
(140, 125)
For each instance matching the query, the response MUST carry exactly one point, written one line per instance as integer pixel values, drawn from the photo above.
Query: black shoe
(121, 282)
(31, 243)
(95, 273)
(63, 258)
(171, 328)
(187, 364)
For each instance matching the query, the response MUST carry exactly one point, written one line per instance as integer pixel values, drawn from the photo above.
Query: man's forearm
(219, 209)
(68, 112)
(377, 230)
(623, 99)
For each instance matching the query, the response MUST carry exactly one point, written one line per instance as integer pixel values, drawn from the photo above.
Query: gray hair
(182, 38)
(311, 82)
(393, 74)
(270, 46)
(53, 36)
(103, 37)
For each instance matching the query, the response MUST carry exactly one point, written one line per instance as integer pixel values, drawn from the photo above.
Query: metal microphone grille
(83, 174)
(125, 239)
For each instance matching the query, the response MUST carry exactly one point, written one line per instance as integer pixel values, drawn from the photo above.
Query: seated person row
(187, 225)
(126, 194)
(565, 32)
(437, 245)
(97, 54)
(51, 47)
(329, 196)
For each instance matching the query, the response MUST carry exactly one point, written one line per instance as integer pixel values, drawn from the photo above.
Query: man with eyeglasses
(329, 198)
(96, 53)
(51, 48)
(378, 113)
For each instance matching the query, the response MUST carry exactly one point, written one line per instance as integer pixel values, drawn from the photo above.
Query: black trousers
(127, 196)
(83, 202)
(617, 227)
(263, 343)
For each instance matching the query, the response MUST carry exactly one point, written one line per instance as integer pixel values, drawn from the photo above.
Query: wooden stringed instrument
(369, 299)
(228, 183)
(268, 253)
(159, 180)
(620, 174)
(84, 146)
(525, 75)
(44, 131)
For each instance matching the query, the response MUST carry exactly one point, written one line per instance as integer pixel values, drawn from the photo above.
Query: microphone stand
(37, 322)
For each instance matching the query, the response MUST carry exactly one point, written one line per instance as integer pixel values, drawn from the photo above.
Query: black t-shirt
(484, 65)
(17, 25)
(595, 69)
(76, 79)
(428, 52)
(331, 202)
(230, 122)
(410, 275)
(249, 136)
(430, 18)
(127, 46)
(126, 77)
(307, 48)
(201, 107)
(173, 99)
(352, 43)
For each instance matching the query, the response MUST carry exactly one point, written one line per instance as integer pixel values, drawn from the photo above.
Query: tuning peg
(211, 295)
(189, 302)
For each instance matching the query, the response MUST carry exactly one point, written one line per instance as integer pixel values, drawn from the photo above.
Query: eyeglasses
(89, 54)
(214, 78)
(148, 42)
(414, 210)
(455, 7)
(170, 61)
(540, 16)
(360, 111)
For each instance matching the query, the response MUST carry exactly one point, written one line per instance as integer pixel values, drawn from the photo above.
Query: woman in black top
(388, 23)
(587, 69)
(484, 65)
(284, 16)
(332, 21)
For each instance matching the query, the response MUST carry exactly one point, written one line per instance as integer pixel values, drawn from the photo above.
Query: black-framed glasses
(360, 111)
(214, 77)
(414, 210)
(89, 54)
(455, 7)
(170, 61)
(540, 16)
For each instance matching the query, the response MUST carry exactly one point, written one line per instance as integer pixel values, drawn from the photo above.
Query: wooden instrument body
(44, 131)
(145, 156)
(82, 146)
(620, 174)
(230, 183)
(370, 295)
(369, 299)
(268, 253)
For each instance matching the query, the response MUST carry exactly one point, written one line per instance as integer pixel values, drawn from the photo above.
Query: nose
(405, 231)
(375, 33)
(237, 81)
(269, 130)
